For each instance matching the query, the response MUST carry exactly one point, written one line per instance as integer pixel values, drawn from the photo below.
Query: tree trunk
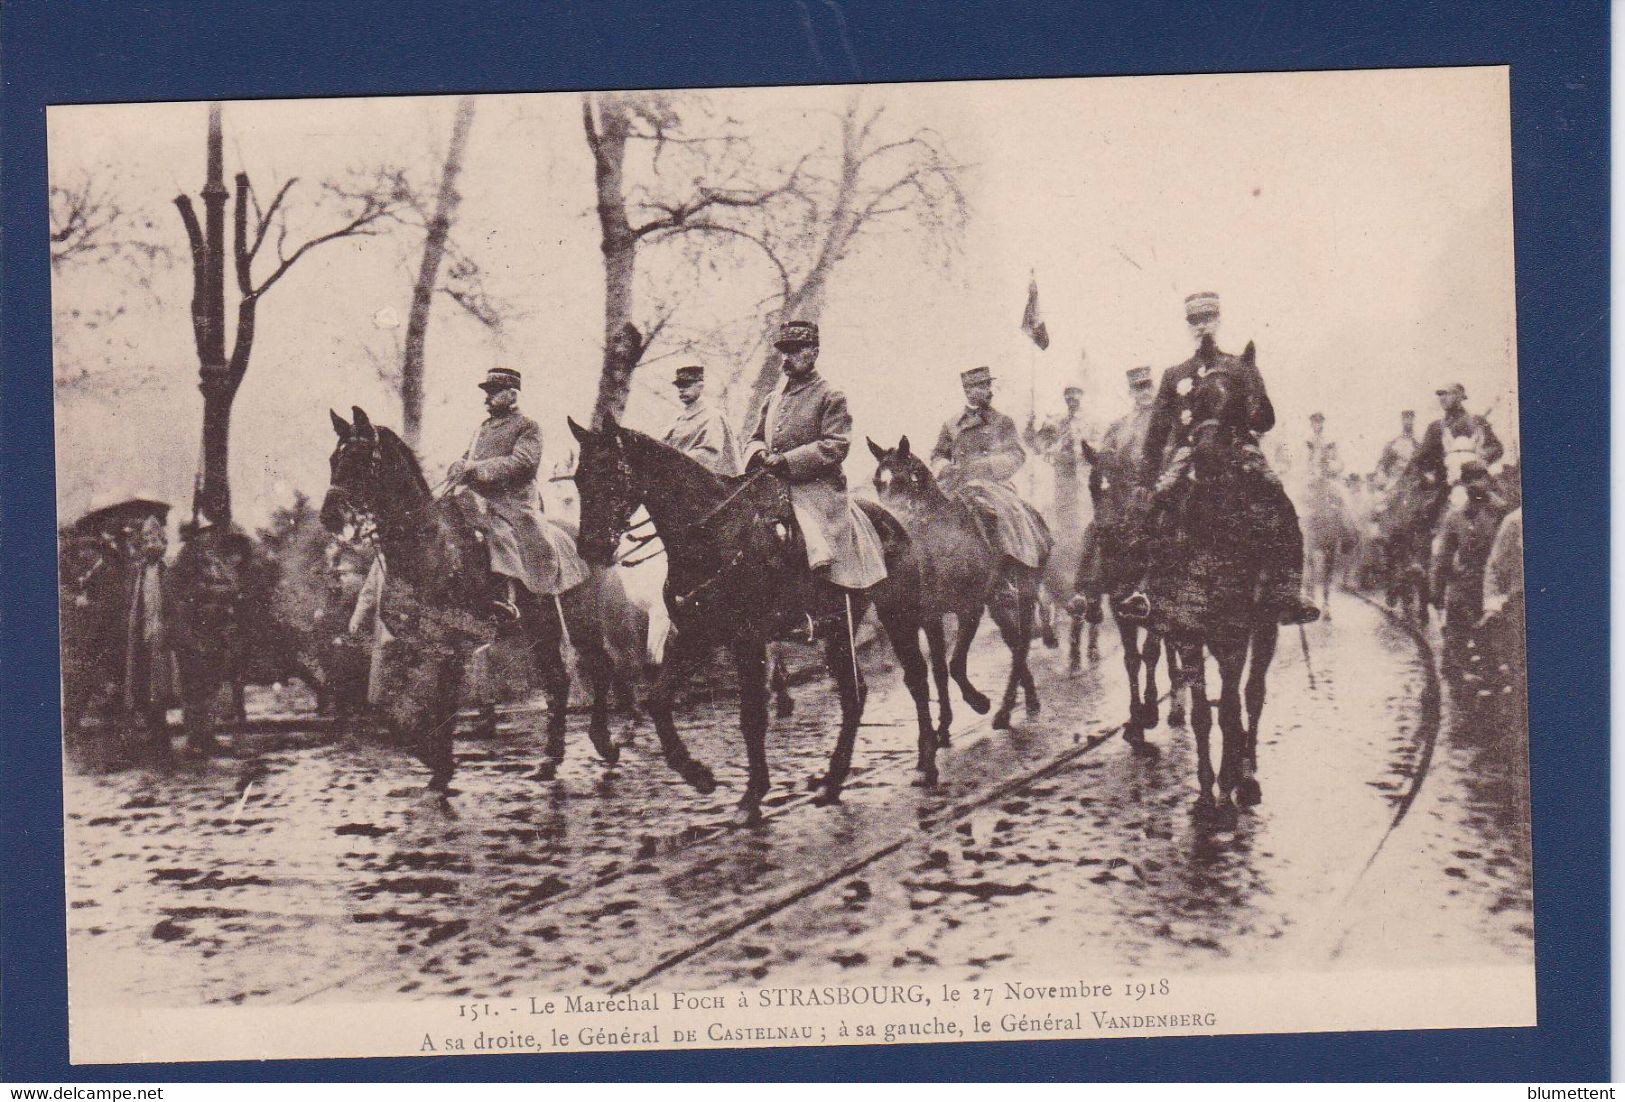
(434, 248)
(623, 346)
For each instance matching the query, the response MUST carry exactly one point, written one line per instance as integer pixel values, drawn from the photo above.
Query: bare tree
(435, 237)
(87, 226)
(870, 178)
(220, 375)
(688, 171)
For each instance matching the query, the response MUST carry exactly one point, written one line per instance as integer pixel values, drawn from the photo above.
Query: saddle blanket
(1011, 525)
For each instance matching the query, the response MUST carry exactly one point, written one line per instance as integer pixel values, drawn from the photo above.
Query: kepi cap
(1453, 388)
(693, 373)
(500, 378)
(1203, 304)
(1139, 376)
(796, 334)
(975, 375)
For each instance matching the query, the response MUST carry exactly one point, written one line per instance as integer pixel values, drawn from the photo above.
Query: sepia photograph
(833, 565)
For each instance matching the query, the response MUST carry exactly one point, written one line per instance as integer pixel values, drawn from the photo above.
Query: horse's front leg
(750, 661)
(1129, 634)
(683, 655)
(969, 618)
(1190, 659)
(1230, 658)
(936, 640)
(1013, 626)
(593, 659)
(903, 630)
(1027, 599)
(1150, 654)
(1176, 687)
(841, 661)
(1248, 792)
(778, 679)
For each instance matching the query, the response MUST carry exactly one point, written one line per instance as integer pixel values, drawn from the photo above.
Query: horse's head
(1219, 416)
(901, 478)
(353, 470)
(606, 488)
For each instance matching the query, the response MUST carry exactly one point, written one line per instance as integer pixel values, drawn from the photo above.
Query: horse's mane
(396, 452)
(677, 467)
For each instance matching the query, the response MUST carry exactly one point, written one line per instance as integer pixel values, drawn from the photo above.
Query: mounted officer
(1120, 452)
(1325, 464)
(1455, 439)
(701, 431)
(1166, 460)
(495, 484)
(802, 437)
(977, 453)
(1397, 453)
(1059, 440)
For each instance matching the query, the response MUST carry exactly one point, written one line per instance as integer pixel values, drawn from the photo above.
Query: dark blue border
(170, 49)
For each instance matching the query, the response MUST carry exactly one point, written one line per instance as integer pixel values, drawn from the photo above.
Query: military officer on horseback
(497, 477)
(1397, 453)
(1166, 460)
(977, 453)
(1324, 462)
(1454, 440)
(802, 437)
(701, 431)
(1119, 456)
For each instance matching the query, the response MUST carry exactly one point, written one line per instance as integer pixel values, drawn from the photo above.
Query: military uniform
(702, 432)
(806, 422)
(1396, 456)
(1166, 458)
(977, 453)
(1460, 554)
(501, 465)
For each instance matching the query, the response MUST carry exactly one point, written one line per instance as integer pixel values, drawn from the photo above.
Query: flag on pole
(1032, 320)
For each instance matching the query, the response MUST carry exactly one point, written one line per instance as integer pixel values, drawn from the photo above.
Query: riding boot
(1283, 581)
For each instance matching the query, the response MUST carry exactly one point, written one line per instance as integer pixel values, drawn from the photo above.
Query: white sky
(1357, 226)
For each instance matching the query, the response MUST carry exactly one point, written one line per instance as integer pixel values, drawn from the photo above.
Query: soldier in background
(978, 452)
(1397, 453)
(701, 431)
(1459, 557)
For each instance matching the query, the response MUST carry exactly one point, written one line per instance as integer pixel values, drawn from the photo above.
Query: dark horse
(737, 576)
(437, 603)
(1208, 586)
(1119, 539)
(963, 575)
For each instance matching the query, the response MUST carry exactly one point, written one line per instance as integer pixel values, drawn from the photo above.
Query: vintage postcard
(800, 566)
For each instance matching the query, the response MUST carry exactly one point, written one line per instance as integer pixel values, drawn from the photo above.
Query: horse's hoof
(1176, 717)
(977, 702)
(1248, 793)
(786, 708)
(828, 797)
(943, 741)
(748, 815)
(1132, 734)
(927, 779)
(1001, 721)
(601, 742)
(1033, 709)
(547, 770)
(698, 777)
